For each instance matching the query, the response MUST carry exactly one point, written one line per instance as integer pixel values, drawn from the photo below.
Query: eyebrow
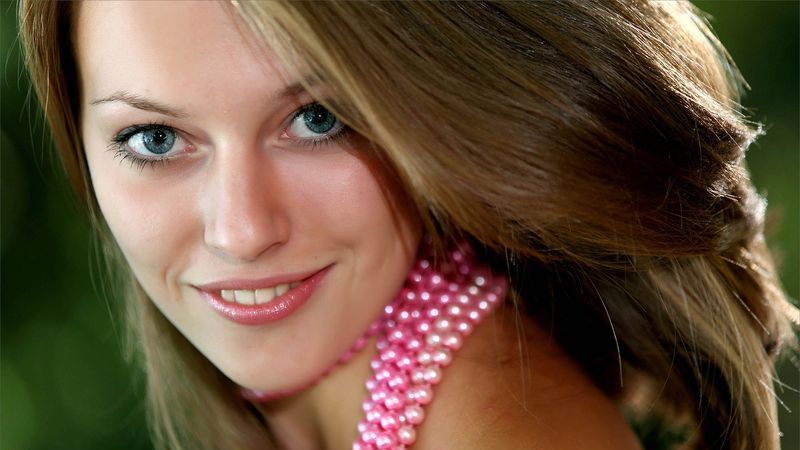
(139, 102)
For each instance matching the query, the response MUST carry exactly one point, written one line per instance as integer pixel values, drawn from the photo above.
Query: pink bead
(443, 299)
(424, 358)
(492, 297)
(433, 339)
(483, 305)
(418, 375)
(414, 414)
(453, 287)
(425, 296)
(464, 327)
(395, 336)
(442, 324)
(415, 277)
(453, 341)
(363, 426)
(360, 343)
(423, 395)
(347, 356)
(404, 362)
(374, 415)
(388, 309)
(398, 381)
(413, 344)
(442, 356)
(390, 422)
(423, 326)
(473, 290)
(367, 405)
(480, 280)
(406, 435)
(404, 316)
(389, 355)
(474, 315)
(371, 383)
(434, 312)
(409, 295)
(383, 374)
(379, 395)
(464, 299)
(432, 374)
(453, 310)
(370, 435)
(394, 401)
(385, 441)
(424, 264)
(457, 256)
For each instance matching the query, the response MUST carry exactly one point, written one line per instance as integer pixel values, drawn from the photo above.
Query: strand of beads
(427, 322)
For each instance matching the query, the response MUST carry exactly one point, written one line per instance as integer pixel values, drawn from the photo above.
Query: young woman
(446, 225)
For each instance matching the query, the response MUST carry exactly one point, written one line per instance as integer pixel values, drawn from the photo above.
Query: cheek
(141, 216)
(345, 198)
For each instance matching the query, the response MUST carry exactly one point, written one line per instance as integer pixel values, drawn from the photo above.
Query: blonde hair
(594, 151)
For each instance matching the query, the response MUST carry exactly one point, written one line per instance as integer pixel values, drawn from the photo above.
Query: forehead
(185, 52)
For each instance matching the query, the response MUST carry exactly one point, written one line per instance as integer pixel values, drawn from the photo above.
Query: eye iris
(318, 119)
(158, 141)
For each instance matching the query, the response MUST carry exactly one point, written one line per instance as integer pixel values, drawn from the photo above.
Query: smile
(257, 297)
(258, 302)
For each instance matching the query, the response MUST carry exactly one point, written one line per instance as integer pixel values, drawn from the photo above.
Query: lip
(272, 311)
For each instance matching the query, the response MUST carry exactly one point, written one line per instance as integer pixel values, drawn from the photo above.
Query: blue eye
(313, 122)
(152, 141)
(148, 144)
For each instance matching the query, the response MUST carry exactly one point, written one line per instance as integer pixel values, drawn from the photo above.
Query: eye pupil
(318, 119)
(159, 140)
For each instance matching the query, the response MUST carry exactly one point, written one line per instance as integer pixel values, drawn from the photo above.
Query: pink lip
(275, 309)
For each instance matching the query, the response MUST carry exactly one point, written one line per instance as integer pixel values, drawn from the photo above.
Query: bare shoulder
(551, 404)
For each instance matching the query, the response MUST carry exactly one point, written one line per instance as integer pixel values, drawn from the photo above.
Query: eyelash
(119, 143)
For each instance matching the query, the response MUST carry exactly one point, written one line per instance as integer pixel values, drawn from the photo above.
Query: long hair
(593, 151)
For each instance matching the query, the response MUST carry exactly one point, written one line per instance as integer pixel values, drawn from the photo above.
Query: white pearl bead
(406, 435)
(433, 339)
(414, 414)
(433, 375)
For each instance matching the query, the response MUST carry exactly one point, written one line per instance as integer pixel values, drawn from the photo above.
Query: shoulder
(545, 403)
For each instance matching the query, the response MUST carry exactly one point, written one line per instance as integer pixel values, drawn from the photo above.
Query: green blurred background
(63, 384)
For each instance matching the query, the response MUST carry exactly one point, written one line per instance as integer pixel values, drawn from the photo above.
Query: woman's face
(222, 189)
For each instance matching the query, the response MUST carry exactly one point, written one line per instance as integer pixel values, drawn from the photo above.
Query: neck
(325, 415)
(418, 335)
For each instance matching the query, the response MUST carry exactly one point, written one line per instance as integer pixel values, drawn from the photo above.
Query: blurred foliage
(63, 384)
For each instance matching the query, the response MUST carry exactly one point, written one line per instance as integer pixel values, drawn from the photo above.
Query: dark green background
(64, 385)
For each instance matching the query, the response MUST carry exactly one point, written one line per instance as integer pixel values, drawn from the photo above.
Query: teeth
(245, 297)
(249, 297)
(265, 295)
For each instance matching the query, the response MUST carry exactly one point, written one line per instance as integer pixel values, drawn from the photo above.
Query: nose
(243, 214)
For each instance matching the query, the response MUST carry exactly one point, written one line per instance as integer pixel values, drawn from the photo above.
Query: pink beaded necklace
(417, 334)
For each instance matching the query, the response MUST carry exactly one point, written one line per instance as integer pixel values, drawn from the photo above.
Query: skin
(242, 198)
